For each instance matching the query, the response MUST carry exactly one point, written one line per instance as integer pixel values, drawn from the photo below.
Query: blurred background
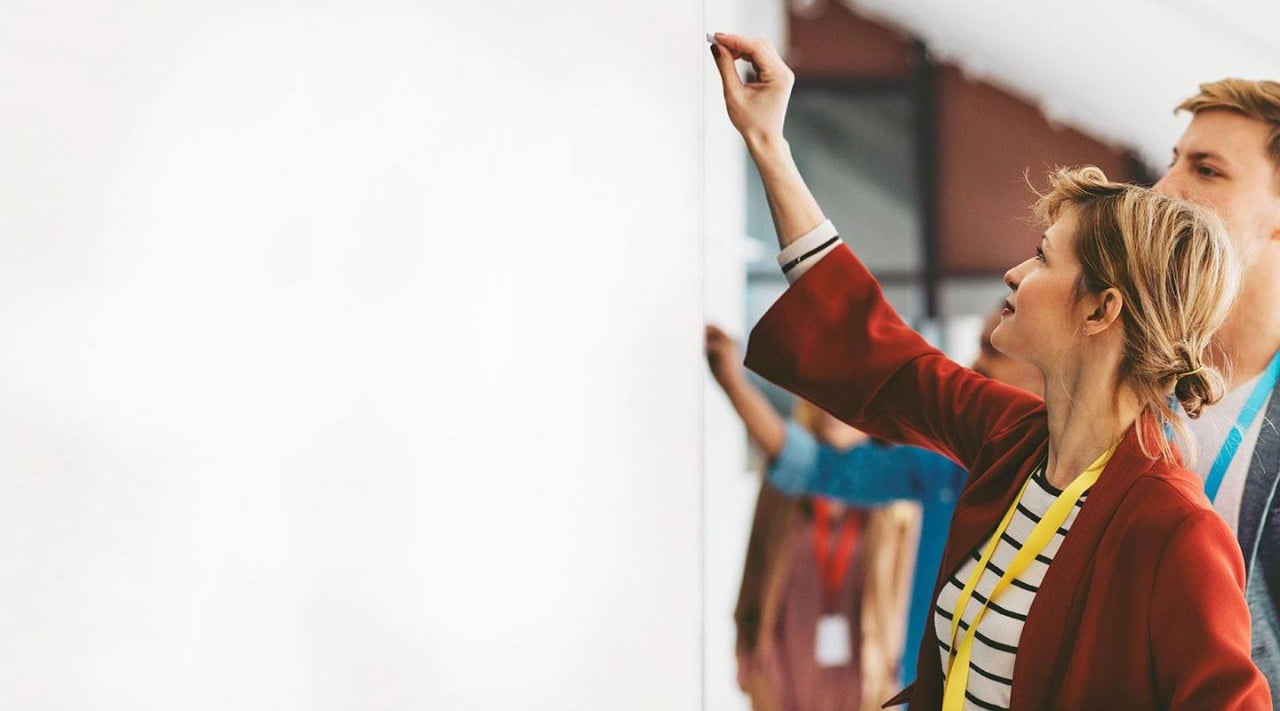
(355, 350)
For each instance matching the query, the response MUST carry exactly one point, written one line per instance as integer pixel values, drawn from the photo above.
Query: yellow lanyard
(958, 664)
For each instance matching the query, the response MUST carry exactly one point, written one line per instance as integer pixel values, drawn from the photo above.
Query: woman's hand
(764, 425)
(723, 357)
(758, 108)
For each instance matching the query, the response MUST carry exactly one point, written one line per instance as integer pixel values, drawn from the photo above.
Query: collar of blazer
(990, 495)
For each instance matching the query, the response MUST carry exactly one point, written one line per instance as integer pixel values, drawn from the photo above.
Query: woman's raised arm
(758, 109)
(832, 338)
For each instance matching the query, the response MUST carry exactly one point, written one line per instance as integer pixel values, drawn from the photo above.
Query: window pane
(854, 149)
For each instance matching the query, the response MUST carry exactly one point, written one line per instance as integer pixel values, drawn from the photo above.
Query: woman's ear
(1105, 309)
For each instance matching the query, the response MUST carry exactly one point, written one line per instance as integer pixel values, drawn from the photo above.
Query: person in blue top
(873, 473)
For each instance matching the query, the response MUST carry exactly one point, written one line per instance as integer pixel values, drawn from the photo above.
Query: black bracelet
(792, 264)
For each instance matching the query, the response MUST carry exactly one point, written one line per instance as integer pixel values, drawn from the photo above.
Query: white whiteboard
(352, 355)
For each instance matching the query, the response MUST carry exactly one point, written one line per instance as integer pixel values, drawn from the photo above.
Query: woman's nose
(1011, 278)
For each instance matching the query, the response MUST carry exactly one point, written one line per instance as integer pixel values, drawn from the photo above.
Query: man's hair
(1258, 100)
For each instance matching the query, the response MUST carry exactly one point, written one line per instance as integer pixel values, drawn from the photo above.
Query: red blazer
(1143, 607)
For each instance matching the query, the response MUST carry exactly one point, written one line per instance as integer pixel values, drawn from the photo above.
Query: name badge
(832, 648)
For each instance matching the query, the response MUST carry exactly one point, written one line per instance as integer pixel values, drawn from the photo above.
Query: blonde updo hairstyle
(1174, 267)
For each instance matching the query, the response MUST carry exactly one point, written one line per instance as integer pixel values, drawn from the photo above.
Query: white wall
(730, 488)
(352, 355)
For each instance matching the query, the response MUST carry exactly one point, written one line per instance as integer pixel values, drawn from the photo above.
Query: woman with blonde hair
(1085, 568)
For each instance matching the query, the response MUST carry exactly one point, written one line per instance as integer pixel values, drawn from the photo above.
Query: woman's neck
(1088, 412)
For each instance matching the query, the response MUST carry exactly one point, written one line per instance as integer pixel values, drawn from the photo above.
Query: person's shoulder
(1032, 427)
(1165, 516)
(1177, 487)
(1175, 520)
(1166, 496)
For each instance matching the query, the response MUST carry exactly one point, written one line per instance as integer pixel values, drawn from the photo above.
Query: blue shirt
(872, 474)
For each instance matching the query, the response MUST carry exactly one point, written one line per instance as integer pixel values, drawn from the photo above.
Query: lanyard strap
(961, 653)
(1235, 436)
(831, 568)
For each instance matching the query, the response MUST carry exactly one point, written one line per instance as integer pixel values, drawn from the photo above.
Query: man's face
(1221, 161)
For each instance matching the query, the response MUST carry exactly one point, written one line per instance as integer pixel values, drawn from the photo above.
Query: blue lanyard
(1247, 415)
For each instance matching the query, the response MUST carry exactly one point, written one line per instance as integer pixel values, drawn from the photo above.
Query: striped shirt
(995, 644)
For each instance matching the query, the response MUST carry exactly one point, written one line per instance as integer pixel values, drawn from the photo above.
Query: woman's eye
(1039, 254)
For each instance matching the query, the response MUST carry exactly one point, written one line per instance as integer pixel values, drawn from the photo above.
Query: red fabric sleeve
(834, 340)
(1200, 623)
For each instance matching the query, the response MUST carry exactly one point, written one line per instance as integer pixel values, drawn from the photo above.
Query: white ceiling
(1111, 68)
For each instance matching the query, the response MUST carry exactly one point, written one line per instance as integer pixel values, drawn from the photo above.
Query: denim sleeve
(795, 466)
(867, 475)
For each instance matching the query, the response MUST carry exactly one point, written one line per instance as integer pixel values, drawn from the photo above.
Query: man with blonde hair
(1229, 158)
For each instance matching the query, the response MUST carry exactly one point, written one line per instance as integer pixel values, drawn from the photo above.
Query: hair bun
(1199, 388)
